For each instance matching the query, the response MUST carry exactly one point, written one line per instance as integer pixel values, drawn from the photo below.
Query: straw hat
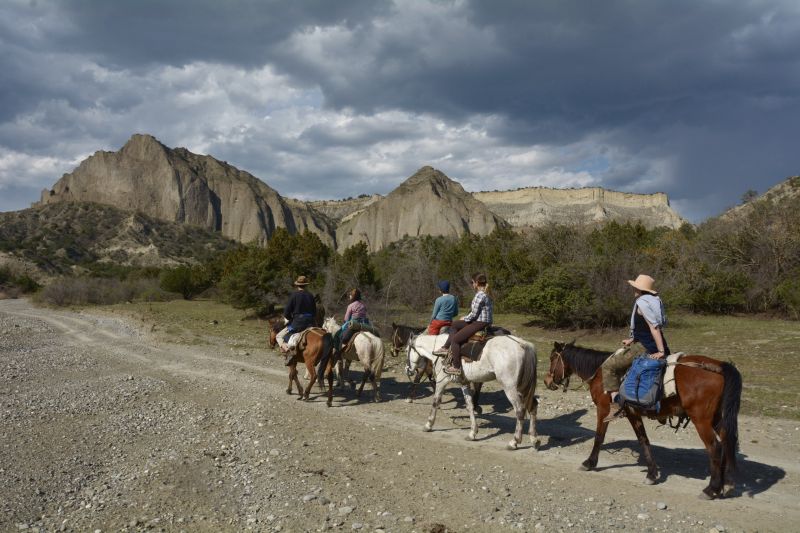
(301, 281)
(644, 283)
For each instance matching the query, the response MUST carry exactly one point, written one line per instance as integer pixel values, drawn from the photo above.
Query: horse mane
(585, 361)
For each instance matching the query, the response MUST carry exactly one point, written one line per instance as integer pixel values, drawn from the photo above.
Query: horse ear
(572, 342)
(557, 345)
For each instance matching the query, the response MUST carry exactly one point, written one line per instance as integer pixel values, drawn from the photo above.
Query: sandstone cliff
(177, 185)
(537, 206)
(427, 203)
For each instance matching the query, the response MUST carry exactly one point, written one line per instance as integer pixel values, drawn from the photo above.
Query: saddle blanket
(670, 389)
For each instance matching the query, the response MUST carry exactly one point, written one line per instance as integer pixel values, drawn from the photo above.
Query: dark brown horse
(400, 336)
(709, 394)
(317, 352)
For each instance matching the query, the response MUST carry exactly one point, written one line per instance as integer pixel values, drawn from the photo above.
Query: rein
(703, 366)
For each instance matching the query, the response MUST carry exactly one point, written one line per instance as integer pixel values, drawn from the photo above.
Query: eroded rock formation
(177, 185)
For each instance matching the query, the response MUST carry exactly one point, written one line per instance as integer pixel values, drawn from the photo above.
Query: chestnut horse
(317, 351)
(709, 394)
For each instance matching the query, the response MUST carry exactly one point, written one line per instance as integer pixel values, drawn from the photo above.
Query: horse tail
(376, 365)
(526, 384)
(729, 413)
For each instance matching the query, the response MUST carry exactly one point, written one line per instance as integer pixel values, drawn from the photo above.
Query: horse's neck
(585, 362)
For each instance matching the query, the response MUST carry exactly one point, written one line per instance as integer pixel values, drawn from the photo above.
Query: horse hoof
(512, 445)
(288, 391)
(427, 428)
(469, 438)
(704, 496)
(586, 467)
(409, 400)
(536, 445)
(330, 404)
(649, 481)
(478, 410)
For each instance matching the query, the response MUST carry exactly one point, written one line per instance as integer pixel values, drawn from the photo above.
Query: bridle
(564, 380)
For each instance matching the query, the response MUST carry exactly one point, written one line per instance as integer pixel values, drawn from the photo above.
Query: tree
(749, 196)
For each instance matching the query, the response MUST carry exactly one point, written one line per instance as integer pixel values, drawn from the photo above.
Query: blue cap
(444, 286)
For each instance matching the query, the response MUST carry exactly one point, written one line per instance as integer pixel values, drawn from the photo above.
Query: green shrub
(186, 281)
(559, 296)
(787, 296)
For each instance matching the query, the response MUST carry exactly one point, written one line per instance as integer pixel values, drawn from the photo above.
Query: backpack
(643, 383)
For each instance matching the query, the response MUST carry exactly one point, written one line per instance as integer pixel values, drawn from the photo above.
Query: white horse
(508, 359)
(369, 350)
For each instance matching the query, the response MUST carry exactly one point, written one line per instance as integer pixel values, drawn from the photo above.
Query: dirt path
(105, 428)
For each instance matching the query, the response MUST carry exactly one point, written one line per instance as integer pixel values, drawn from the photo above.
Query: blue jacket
(445, 307)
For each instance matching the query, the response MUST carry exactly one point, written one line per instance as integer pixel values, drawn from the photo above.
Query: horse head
(559, 371)
(330, 325)
(275, 326)
(412, 355)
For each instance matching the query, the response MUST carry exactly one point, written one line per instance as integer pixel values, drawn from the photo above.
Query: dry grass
(764, 349)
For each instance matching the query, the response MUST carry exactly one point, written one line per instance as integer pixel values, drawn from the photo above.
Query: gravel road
(105, 428)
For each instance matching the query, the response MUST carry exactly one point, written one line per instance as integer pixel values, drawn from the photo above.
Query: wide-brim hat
(644, 283)
(301, 281)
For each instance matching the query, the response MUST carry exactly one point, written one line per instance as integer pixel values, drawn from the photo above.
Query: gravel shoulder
(104, 427)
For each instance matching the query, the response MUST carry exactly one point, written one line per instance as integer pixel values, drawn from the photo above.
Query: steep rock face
(177, 185)
(427, 203)
(537, 206)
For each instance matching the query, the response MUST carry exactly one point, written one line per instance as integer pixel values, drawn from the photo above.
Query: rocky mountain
(782, 194)
(177, 185)
(537, 206)
(65, 236)
(427, 203)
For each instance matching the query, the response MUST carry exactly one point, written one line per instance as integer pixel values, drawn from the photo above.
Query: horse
(317, 351)
(400, 335)
(709, 394)
(507, 359)
(369, 350)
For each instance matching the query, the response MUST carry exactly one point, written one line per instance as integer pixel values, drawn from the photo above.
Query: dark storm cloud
(698, 99)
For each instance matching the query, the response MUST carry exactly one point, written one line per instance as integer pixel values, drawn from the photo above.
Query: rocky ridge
(427, 203)
(537, 206)
(180, 186)
(786, 191)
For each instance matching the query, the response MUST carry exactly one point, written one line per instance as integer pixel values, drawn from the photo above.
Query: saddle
(348, 351)
(472, 349)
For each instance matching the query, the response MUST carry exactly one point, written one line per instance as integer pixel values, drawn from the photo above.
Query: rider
(356, 312)
(480, 316)
(444, 309)
(299, 311)
(648, 319)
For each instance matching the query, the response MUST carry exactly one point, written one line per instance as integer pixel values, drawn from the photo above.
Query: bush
(100, 291)
(559, 296)
(787, 296)
(186, 281)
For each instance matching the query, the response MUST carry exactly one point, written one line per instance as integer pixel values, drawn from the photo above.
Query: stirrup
(441, 351)
(453, 371)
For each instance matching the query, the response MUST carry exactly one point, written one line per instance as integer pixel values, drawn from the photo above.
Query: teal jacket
(445, 307)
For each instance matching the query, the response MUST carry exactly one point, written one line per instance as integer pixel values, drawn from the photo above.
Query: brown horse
(400, 336)
(709, 394)
(316, 352)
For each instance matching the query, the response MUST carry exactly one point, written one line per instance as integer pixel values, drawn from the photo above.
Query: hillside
(339, 209)
(180, 186)
(537, 206)
(427, 203)
(785, 192)
(59, 237)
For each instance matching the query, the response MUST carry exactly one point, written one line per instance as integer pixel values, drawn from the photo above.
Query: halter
(564, 381)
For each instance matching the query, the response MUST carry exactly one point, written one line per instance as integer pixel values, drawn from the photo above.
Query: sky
(329, 99)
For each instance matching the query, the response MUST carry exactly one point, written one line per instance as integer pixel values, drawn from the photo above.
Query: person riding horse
(356, 313)
(299, 313)
(479, 317)
(648, 319)
(444, 309)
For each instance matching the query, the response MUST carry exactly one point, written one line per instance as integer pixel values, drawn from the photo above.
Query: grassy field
(765, 350)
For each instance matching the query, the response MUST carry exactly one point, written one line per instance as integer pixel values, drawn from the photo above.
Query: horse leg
(532, 427)
(312, 373)
(647, 452)
(364, 378)
(706, 432)
(329, 375)
(475, 395)
(441, 380)
(292, 379)
(519, 411)
(413, 394)
(347, 375)
(602, 402)
(376, 387)
(466, 390)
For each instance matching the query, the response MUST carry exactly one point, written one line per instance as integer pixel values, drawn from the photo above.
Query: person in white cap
(648, 319)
